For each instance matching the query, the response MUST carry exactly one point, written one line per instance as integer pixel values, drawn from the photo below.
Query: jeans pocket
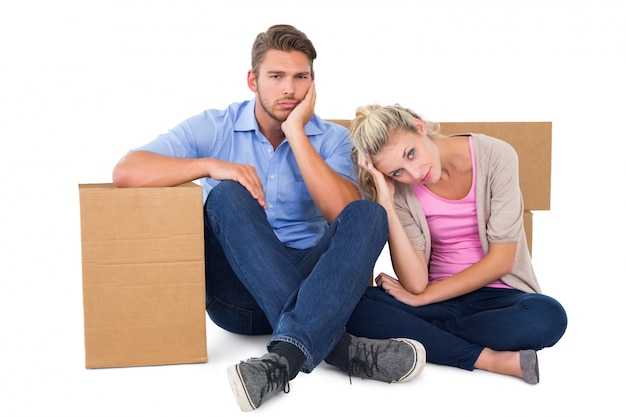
(236, 319)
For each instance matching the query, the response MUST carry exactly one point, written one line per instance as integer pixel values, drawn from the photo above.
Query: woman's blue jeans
(255, 285)
(454, 332)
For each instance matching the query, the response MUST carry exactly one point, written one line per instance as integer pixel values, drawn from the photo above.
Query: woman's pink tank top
(454, 230)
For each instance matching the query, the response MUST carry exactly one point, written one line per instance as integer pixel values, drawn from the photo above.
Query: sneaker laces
(366, 365)
(277, 375)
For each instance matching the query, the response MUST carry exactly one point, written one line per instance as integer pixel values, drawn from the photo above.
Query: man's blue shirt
(233, 135)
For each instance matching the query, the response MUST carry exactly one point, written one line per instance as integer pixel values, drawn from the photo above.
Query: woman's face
(410, 158)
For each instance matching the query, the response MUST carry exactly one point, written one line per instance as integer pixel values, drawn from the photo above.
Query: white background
(83, 81)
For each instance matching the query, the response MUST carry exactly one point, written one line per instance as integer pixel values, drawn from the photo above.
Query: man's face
(283, 81)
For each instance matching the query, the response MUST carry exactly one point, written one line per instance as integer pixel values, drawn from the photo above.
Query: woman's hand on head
(384, 184)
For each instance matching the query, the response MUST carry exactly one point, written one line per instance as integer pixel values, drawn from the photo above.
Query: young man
(290, 245)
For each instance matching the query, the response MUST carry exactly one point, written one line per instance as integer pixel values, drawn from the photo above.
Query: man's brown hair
(283, 38)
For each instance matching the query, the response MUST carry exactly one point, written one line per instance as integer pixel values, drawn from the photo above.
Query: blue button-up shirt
(233, 135)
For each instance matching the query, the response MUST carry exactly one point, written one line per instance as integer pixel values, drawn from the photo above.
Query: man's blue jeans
(454, 332)
(256, 285)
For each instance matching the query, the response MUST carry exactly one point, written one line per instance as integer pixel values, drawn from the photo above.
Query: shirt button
(271, 177)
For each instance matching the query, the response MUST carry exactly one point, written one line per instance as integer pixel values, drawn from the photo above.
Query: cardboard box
(533, 143)
(143, 275)
(528, 229)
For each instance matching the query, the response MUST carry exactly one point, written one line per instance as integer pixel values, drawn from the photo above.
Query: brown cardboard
(143, 275)
(533, 144)
(528, 229)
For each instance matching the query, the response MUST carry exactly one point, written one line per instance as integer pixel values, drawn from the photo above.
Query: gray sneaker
(257, 379)
(388, 360)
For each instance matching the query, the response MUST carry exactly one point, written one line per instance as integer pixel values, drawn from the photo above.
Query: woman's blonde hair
(371, 129)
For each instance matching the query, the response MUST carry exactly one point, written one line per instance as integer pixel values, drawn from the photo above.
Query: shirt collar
(246, 120)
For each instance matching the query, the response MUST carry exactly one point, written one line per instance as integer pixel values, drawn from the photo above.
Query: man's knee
(368, 212)
(229, 197)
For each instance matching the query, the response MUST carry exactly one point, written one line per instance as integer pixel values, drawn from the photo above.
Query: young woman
(464, 285)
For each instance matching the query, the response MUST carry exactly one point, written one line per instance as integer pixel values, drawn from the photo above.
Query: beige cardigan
(499, 206)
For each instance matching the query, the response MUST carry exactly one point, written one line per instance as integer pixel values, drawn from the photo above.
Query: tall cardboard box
(143, 275)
